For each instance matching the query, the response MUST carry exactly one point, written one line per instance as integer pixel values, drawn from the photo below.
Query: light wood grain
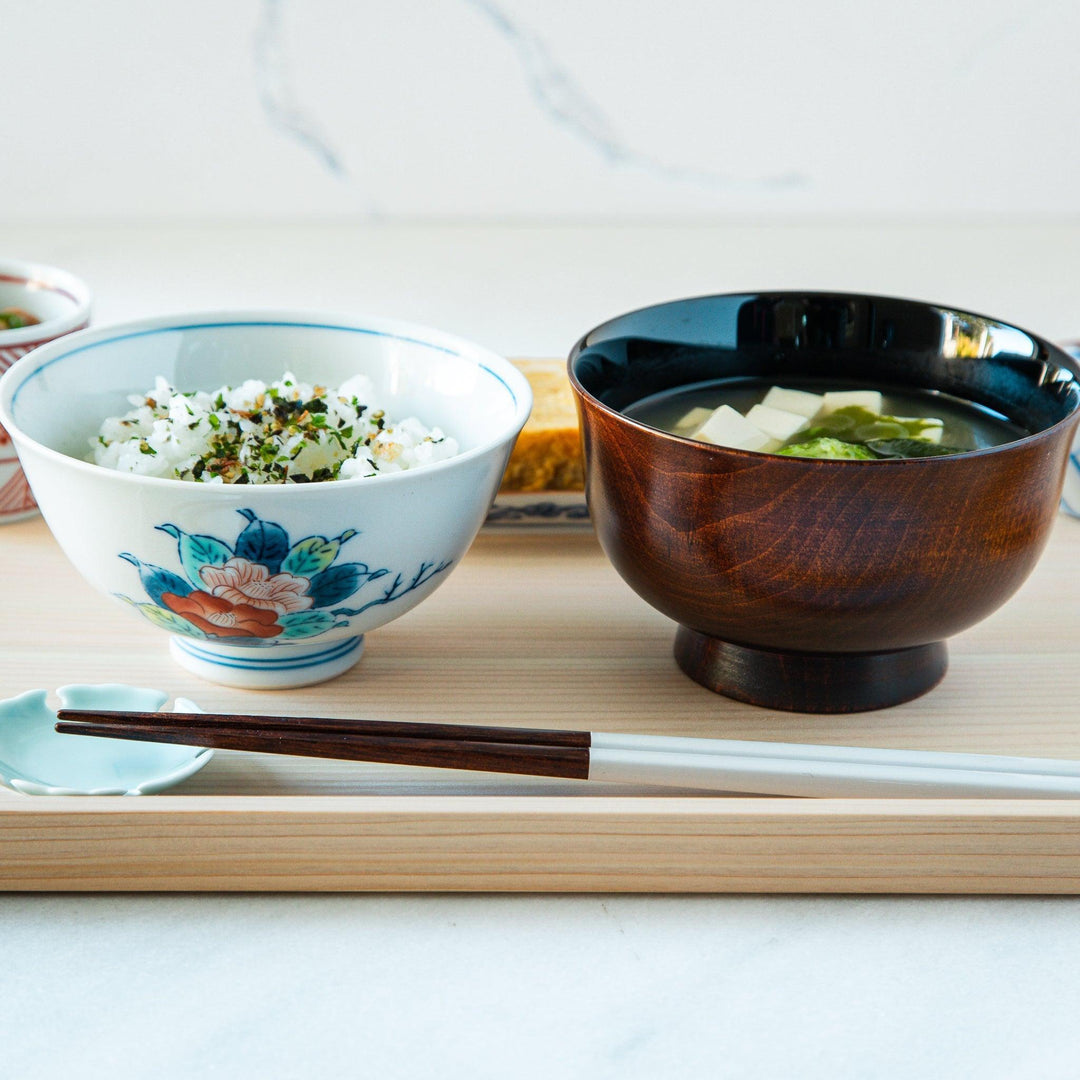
(455, 843)
(538, 630)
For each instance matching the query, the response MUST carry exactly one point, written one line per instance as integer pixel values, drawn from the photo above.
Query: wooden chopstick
(704, 764)
(330, 724)
(571, 762)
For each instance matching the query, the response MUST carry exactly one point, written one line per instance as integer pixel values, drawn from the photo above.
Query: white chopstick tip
(821, 778)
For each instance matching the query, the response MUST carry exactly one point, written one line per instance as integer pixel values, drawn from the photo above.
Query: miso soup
(819, 419)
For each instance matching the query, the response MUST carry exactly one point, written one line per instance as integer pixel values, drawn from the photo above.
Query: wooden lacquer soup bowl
(811, 585)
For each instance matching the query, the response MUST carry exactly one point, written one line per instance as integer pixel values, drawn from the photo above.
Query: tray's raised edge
(537, 844)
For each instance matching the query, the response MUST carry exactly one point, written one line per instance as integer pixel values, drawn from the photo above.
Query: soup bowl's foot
(278, 667)
(810, 682)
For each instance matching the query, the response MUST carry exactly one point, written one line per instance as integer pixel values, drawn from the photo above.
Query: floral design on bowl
(36, 760)
(264, 587)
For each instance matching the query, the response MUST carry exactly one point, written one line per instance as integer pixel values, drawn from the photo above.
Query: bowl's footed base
(278, 668)
(810, 682)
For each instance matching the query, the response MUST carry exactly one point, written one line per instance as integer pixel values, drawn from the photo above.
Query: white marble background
(538, 109)
(540, 988)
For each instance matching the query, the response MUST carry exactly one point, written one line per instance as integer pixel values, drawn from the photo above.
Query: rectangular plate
(539, 510)
(539, 631)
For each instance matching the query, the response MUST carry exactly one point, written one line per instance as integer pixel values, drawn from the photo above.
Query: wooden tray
(536, 629)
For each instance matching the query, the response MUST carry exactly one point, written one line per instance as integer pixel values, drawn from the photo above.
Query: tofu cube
(778, 423)
(797, 401)
(693, 419)
(727, 427)
(845, 399)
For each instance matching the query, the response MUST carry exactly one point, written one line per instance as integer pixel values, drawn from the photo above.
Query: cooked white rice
(284, 432)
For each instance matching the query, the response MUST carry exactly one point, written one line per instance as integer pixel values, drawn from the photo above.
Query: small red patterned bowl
(61, 303)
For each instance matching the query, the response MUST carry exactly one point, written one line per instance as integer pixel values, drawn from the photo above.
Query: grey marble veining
(514, 110)
(277, 94)
(561, 97)
(553, 87)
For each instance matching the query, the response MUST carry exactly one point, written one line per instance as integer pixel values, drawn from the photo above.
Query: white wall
(538, 109)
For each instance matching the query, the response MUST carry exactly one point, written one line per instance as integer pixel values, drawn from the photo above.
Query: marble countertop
(567, 986)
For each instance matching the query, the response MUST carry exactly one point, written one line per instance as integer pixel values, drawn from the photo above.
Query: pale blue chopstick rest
(37, 760)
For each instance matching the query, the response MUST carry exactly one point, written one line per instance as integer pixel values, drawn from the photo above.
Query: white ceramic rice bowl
(295, 574)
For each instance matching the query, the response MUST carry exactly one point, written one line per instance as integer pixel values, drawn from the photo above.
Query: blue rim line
(336, 652)
(195, 645)
(216, 325)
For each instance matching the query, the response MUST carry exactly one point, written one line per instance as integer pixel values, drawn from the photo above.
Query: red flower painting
(218, 617)
(263, 589)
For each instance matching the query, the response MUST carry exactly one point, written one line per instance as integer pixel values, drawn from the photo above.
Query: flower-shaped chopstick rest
(36, 760)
